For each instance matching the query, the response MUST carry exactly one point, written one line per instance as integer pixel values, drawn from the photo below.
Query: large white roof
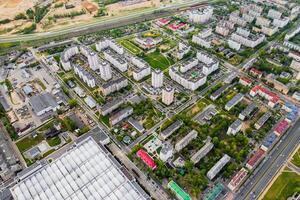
(83, 173)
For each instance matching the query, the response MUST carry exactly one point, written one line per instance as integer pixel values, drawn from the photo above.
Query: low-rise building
(90, 101)
(237, 179)
(245, 81)
(166, 151)
(281, 127)
(255, 158)
(218, 167)
(147, 159)
(203, 151)
(136, 124)
(79, 91)
(170, 129)
(206, 115)
(215, 95)
(246, 113)
(119, 116)
(110, 106)
(262, 120)
(265, 93)
(277, 84)
(185, 140)
(43, 103)
(269, 141)
(147, 42)
(234, 101)
(235, 127)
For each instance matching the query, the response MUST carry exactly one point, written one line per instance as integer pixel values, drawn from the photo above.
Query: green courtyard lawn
(158, 61)
(28, 142)
(285, 186)
(130, 46)
(296, 158)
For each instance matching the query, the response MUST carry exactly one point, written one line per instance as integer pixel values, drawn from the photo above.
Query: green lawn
(285, 186)
(131, 47)
(29, 142)
(54, 141)
(296, 158)
(158, 60)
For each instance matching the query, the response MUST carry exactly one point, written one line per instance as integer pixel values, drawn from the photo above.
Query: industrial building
(85, 171)
(43, 103)
(218, 167)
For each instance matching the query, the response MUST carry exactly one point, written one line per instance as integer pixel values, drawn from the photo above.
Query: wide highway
(104, 23)
(267, 170)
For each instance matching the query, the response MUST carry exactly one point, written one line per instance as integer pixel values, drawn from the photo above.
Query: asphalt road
(264, 173)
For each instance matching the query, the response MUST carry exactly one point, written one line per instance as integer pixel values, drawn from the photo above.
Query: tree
(72, 103)
(69, 124)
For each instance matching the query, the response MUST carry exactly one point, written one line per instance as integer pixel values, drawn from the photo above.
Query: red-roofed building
(265, 93)
(245, 81)
(255, 159)
(255, 72)
(163, 21)
(281, 127)
(175, 27)
(237, 179)
(146, 158)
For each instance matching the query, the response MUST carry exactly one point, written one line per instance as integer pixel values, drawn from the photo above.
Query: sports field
(158, 61)
(284, 186)
(130, 46)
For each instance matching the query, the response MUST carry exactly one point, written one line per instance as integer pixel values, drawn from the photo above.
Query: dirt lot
(9, 8)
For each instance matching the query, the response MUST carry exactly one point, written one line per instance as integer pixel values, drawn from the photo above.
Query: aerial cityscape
(149, 99)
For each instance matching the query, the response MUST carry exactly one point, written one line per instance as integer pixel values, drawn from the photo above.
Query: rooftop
(86, 171)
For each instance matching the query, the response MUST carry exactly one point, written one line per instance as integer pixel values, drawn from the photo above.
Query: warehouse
(84, 172)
